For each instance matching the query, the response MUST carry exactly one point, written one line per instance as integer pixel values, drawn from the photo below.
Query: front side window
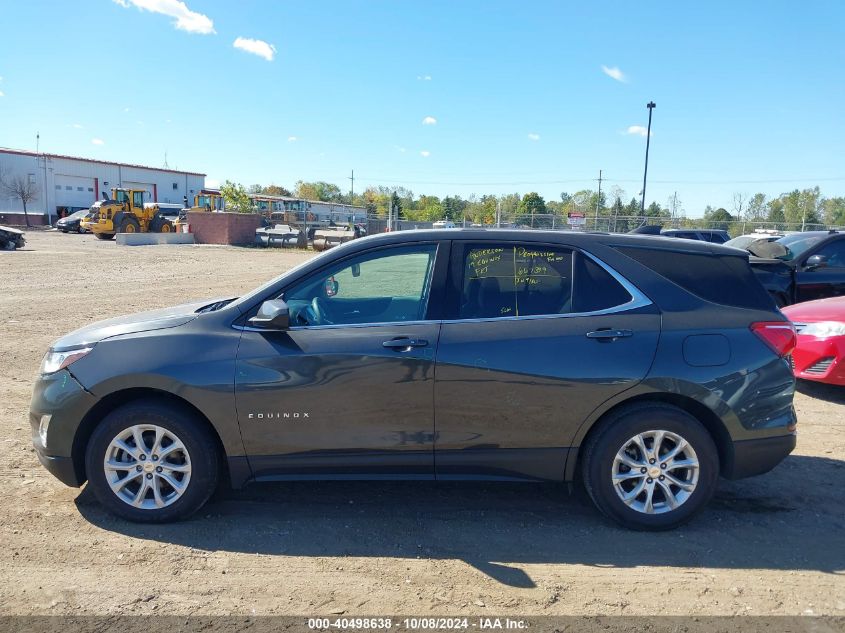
(835, 253)
(386, 286)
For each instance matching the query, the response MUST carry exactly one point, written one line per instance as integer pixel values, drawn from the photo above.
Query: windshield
(797, 244)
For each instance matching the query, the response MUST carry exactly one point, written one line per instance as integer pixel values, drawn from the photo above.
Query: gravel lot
(770, 545)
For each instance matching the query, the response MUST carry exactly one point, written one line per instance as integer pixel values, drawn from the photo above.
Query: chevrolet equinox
(644, 366)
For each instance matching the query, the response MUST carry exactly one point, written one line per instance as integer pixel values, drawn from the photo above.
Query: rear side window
(724, 280)
(515, 280)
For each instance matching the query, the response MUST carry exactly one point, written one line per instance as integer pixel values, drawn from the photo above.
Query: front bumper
(755, 457)
(66, 402)
(62, 468)
(821, 359)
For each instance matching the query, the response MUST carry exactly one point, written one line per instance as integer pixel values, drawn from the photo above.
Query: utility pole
(352, 188)
(598, 204)
(498, 213)
(650, 105)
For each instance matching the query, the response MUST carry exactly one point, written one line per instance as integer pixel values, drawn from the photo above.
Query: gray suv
(642, 366)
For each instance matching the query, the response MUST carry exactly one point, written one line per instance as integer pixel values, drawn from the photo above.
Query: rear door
(538, 337)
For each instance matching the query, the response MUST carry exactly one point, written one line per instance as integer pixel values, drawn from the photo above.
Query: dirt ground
(770, 545)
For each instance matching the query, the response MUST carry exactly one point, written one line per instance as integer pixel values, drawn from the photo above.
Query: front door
(348, 390)
(824, 281)
(542, 336)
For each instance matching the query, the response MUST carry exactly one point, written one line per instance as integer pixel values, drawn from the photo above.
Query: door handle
(608, 334)
(405, 344)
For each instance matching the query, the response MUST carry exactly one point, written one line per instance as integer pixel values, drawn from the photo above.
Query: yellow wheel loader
(125, 212)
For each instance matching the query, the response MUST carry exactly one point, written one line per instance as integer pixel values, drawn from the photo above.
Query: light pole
(650, 105)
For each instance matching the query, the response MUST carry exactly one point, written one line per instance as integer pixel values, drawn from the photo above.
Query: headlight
(54, 361)
(824, 329)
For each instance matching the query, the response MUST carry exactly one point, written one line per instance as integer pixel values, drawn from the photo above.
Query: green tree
(276, 190)
(718, 219)
(532, 205)
(756, 209)
(833, 211)
(236, 197)
(323, 191)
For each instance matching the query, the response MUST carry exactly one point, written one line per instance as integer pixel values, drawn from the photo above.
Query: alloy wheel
(655, 472)
(148, 467)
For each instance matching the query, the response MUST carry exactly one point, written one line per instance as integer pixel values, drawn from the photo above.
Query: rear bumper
(755, 457)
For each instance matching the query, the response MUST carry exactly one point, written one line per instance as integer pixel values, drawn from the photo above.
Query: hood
(767, 250)
(130, 324)
(832, 309)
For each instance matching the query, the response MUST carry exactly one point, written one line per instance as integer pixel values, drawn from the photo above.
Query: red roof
(24, 152)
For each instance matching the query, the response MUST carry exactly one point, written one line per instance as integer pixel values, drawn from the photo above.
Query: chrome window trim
(335, 326)
(638, 300)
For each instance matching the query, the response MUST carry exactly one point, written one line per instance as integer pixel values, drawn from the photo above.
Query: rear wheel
(152, 463)
(651, 466)
(161, 225)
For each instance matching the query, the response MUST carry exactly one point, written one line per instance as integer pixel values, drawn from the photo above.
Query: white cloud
(212, 183)
(401, 149)
(126, 109)
(429, 120)
(614, 73)
(185, 19)
(2, 94)
(425, 153)
(77, 126)
(637, 129)
(97, 141)
(256, 47)
(292, 139)
(534, 137)
(423, 77)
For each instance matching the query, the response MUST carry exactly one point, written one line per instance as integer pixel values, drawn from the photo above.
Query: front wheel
(104, 236)
(651, 466)
(152, 463)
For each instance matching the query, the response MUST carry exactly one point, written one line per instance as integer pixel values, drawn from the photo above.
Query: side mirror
(356, 270)
(272, 315)
(816, 261)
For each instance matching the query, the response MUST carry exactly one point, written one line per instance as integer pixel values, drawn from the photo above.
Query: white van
(443, 224)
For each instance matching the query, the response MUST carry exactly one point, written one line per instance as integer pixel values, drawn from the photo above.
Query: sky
(451, 97)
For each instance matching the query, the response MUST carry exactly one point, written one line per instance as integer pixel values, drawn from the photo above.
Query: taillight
(778, 335)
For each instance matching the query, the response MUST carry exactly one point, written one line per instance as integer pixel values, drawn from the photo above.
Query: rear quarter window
(725, 280)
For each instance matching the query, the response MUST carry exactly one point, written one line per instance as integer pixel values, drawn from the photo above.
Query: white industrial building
(68, 183)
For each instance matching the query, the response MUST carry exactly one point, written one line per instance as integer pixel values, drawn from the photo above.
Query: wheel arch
(701, 412)
(123, 397)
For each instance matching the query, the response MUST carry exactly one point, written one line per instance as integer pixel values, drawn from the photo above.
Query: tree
(531, 205)
(739, 200)
(833, 210)
(718, 219)
(396, 204)
(22, 187)
(323, 191)
(236, 198)
(276, 190)
(756, 210)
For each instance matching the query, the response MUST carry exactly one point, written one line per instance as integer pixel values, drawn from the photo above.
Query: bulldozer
(126, 212)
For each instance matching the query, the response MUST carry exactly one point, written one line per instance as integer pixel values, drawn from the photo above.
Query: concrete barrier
(148, 239)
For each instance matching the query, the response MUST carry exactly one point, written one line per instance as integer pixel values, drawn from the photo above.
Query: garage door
(148, 187)
(74, 191)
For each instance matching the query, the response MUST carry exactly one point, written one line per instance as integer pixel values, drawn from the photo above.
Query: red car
(820, 352)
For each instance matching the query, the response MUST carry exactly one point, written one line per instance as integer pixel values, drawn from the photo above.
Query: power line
(591, 180)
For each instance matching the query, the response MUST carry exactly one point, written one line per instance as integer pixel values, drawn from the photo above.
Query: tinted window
(718, 279)
(798, 243)
(506, 281)
(595, 288)
(385, 286)
(835, 253)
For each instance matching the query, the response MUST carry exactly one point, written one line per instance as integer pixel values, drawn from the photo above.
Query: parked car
(801, 266)
(72, 222)
(820, 351)
(10, 238)
(717, 236)
(647, 368)
(742, 241)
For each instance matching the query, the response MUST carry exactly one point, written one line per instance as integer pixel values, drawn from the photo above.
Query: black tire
(129, 225)
(614, 433)
(104, 236)
(200, 446)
